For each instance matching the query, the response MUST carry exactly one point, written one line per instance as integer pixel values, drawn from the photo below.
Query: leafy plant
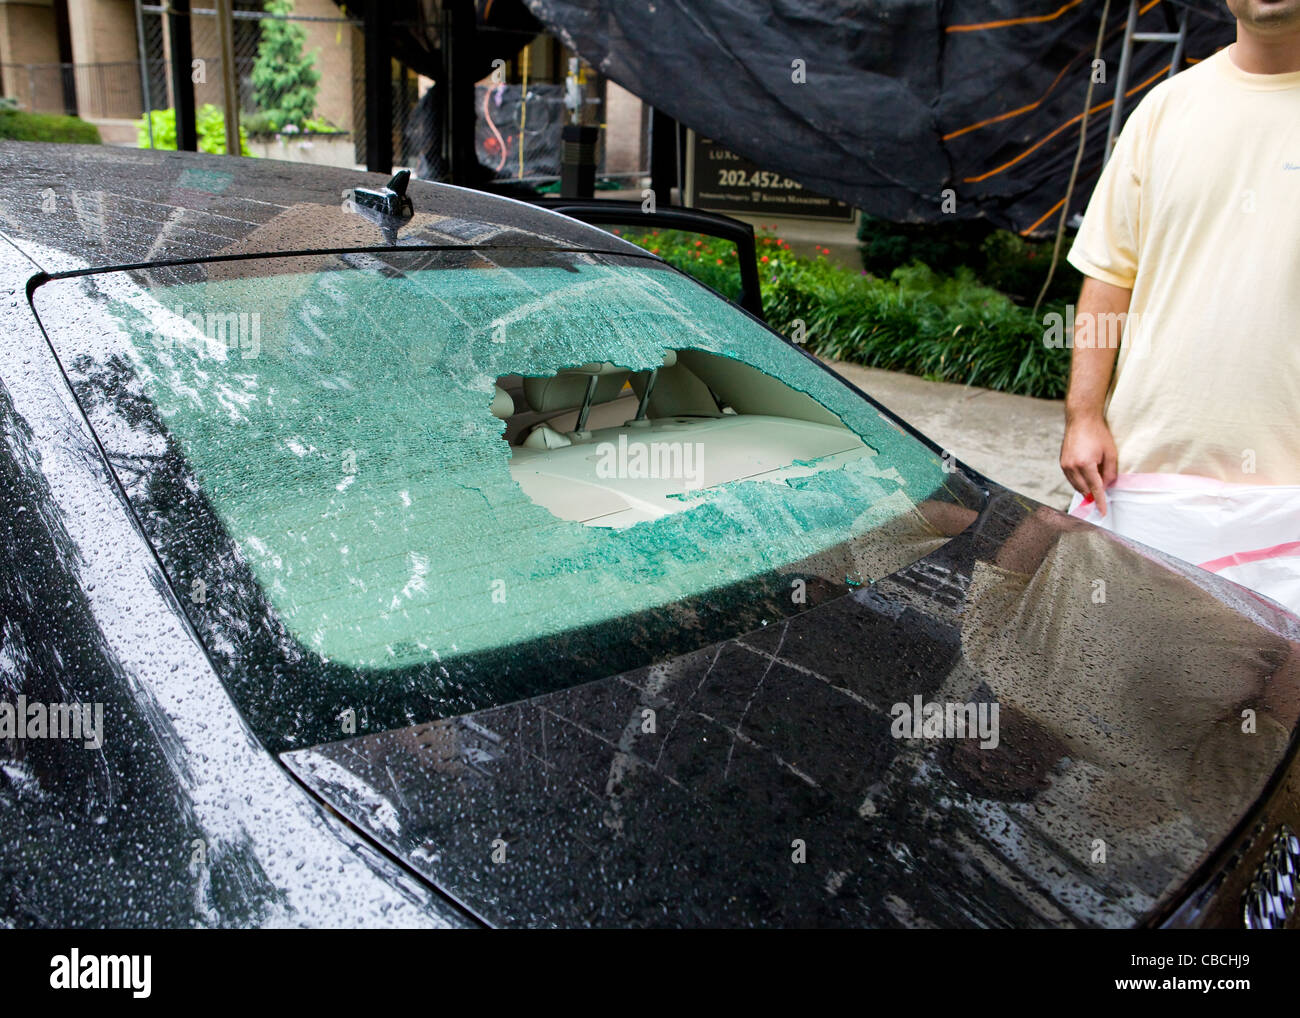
(284, 77)
(949, 327)
(710, 260)
(1019, 267)
(262, 122)
(886, 246)
(210, 124)
(999, 258)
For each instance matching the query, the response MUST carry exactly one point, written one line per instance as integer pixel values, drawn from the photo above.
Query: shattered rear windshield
(388, 488)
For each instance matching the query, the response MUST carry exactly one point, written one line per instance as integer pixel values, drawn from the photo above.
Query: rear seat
(570, 389)
(578, 390)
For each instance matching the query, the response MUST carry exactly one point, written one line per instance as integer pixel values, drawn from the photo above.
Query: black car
(403, 555)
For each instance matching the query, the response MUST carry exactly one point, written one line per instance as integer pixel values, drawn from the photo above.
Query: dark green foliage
(1018, 268)
(949, 327)
(999, 258)
(18, 126)
(945, 328)
(284, 78)
(886, 246)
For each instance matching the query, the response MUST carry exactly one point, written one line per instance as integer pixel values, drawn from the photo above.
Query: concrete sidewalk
(1016, 440)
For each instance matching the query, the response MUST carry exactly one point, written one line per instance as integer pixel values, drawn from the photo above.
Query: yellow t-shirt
(1198, 212)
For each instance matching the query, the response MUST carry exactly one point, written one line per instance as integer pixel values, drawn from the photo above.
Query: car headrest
(503, 405)
(566, 389)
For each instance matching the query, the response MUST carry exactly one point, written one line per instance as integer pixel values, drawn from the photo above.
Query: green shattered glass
(341, 430)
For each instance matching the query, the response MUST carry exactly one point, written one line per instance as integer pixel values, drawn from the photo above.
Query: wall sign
(725, 182)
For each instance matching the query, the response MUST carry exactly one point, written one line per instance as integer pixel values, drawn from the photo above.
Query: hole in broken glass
(606, 446)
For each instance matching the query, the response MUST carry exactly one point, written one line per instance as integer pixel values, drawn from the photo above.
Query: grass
(951, 327)
(15, 125)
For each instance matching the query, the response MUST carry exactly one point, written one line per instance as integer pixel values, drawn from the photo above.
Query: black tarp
(902, 98)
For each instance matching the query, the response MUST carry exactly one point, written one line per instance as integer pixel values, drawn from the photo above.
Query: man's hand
(1089, 457)
(1088, 454)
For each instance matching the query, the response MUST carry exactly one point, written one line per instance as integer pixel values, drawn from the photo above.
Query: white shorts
(1248, 533)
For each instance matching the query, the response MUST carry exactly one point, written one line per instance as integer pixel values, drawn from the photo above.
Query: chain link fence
(94, 91)
(299, 78)
(519, 115)
(301, 86)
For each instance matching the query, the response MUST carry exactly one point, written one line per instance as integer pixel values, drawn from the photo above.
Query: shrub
(886, 246)
(210, 123)
(284, 78)
(16, 125)
(945, 328)
(269, 123)
(710, 260)
(1019, 267)
(942, 327)
(999, 258)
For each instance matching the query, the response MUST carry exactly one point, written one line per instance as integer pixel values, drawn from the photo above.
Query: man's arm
(1088, 455)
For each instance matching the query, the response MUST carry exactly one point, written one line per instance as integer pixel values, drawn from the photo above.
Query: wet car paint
(181, 818)
(768, 788)
(72, 208)
(598, 823)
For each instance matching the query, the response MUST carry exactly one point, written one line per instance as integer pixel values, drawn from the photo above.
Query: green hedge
(16, 125)
(998, 258)
(945, 327)
(710, 260)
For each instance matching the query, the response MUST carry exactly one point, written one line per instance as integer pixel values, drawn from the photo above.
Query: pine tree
(284, 78)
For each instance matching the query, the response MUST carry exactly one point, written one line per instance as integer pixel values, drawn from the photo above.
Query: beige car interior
(609, 447)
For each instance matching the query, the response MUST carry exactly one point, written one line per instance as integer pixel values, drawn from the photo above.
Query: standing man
(1193, 233)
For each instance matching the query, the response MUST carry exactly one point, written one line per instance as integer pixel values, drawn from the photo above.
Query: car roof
(78, 207)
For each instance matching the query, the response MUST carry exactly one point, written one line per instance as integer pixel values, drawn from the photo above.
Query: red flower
(763, 259)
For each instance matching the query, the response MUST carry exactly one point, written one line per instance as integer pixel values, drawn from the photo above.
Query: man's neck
(1261, 54)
